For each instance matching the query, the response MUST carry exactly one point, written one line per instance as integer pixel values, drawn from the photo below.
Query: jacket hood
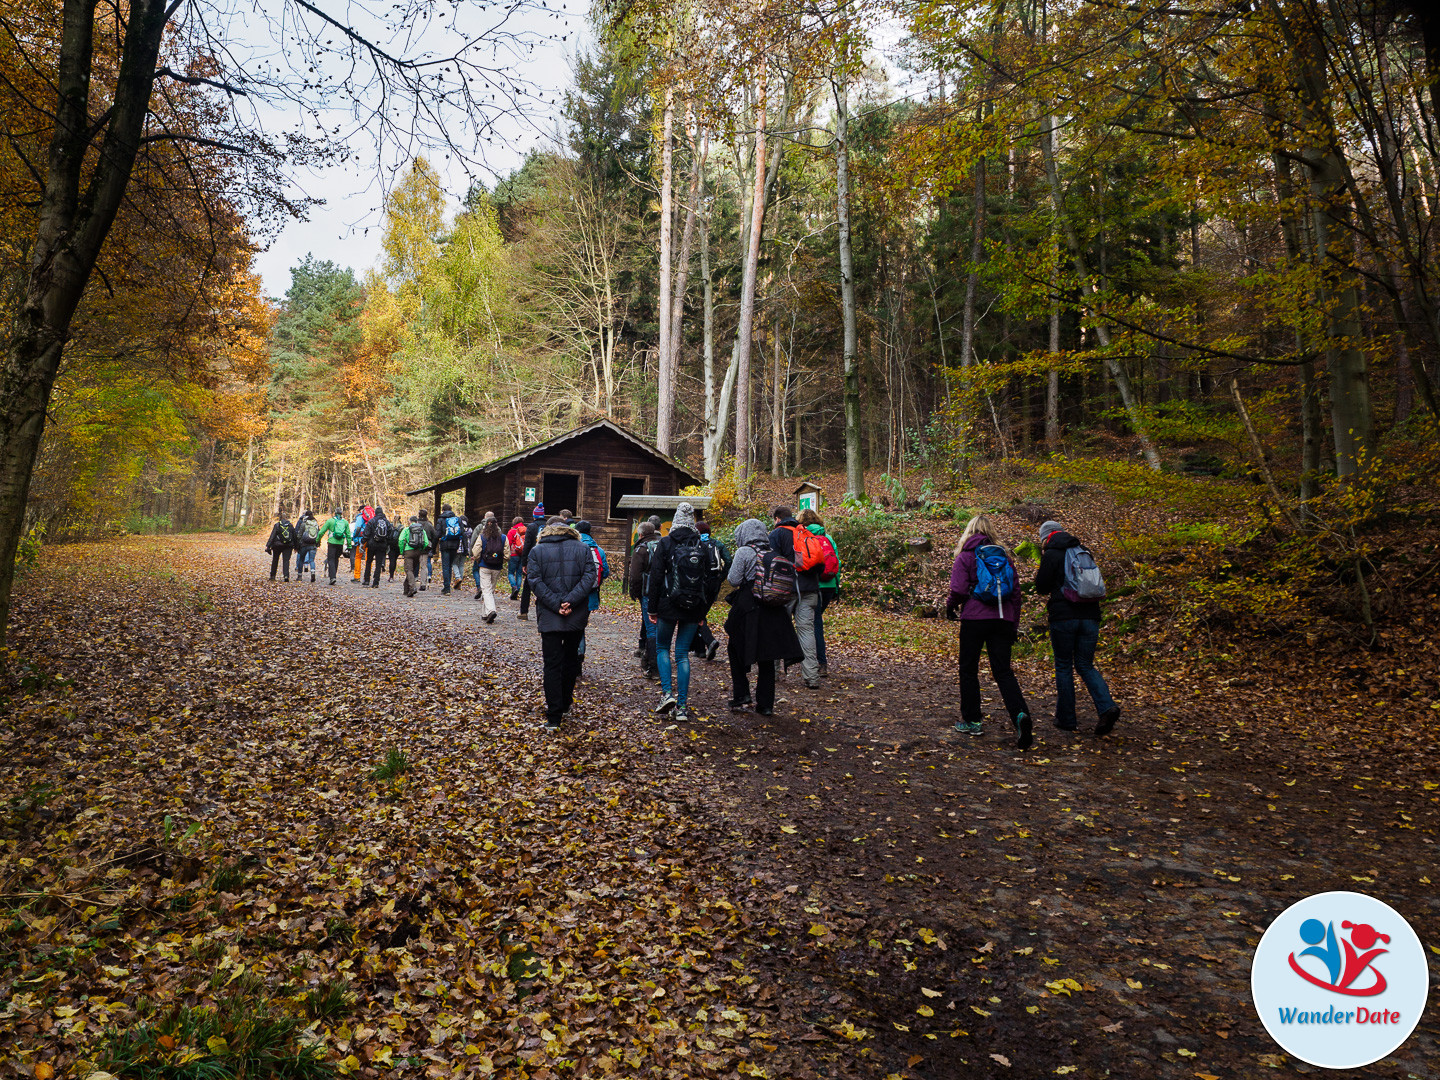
(682, 532)
(817, 529)
(750, 531)
(684, 517)
(558, 532)
(978, 540)
(1059, 539)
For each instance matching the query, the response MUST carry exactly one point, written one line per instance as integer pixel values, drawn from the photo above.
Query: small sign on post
(808, 496)
(530, 494)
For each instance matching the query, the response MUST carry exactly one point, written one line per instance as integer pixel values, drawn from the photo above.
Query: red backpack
(811, 551)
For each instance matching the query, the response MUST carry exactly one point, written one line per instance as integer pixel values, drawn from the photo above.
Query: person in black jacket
(807, 588)
(449, 545)
(378, 537)
(1074, 633)
(759, 635)
(676, 605)
(280, 544)
(561, 571)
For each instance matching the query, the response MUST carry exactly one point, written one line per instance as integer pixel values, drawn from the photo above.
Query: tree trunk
(1310, 433)
(665, 402)
(854, 465)
(747, 290)
(1052, 383)
(700, 150)
(972, 279)
(244, 518)
(69, 232)
(777, 408)
(279, 484)
(1077, 257)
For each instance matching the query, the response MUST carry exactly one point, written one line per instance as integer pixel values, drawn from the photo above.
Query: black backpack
(285, 534)
(492, 552)
(688, 576)
(379, 533)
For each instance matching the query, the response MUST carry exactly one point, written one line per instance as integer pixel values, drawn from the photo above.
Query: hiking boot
(1065, 727)
(423, 588)
(312, 577)
(521, 615)
(552, 725)
(1025, 730)
(667, 704)
(514, 594)
(681, 716)
(764, 712)
(272, 578)
(491, 617)
(809, 685)
(444, 592)
(1107, 720)
(824, 671)
(479, 597)
(738, 705)
(963, 728)
(712, 650)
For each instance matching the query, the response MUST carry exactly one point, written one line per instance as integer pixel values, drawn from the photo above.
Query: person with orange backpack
(829, 583)
(807, 552)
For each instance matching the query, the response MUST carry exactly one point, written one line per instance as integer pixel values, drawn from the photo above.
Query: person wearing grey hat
(1070, 579)
(685, 573)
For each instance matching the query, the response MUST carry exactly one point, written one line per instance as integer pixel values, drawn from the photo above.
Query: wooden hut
(587, 470)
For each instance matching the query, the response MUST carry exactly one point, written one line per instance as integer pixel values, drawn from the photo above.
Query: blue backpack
(994, 576)
(453, 529)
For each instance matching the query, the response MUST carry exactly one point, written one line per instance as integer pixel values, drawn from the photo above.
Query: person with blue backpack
(985, 597)
(450, 537)
(1069, 577)
(602, 571)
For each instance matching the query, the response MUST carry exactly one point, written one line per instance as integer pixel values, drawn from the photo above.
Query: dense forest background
(791, 237)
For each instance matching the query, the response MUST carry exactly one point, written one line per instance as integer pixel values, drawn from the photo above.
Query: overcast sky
(346, 228)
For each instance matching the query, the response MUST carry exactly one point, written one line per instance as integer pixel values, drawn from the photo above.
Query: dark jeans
(996, 637)
(332, 560)
(827, 596)
(452, 563)
(560, 654)
(394, 558)
(764, 682)
(525, 596)
(374, 560)
(513, 570)
(647, 636)
(275, 557)
(303, 556)
(1074, 641)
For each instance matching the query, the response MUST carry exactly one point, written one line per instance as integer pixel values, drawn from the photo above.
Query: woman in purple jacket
(984, 589)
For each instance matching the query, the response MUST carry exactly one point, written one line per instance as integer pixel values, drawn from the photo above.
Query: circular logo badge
(1339, 980)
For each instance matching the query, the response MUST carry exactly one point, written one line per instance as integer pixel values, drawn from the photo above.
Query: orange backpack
(810, 550)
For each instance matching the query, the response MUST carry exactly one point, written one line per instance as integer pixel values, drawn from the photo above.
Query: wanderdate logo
(1317, 958)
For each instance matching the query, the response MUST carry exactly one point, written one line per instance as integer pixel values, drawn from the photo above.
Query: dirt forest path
(875, 897)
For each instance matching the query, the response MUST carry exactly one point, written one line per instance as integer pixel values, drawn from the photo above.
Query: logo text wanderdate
(1333, 1015)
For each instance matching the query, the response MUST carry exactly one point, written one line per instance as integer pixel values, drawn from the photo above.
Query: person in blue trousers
(1074, 633)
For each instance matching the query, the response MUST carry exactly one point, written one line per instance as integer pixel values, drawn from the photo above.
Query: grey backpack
(1083, 580)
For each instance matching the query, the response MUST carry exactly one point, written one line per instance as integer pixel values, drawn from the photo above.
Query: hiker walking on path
(985, 597)
(1069, 577)
(829, 584)
(280, 544)
(378, 537)
(450, 532)
(802, 548)
(307, 538)
(759, 628)
(637, 577)
(561, 572)
(489, 553)
(532, 536)
(685, 574)
(431, 536)
(357, 530)
(337, 533)
(602, 571)
(705, 645)
(414, 541)
(514, 560)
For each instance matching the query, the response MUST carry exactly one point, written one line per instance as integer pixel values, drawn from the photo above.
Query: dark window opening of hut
(620, 486)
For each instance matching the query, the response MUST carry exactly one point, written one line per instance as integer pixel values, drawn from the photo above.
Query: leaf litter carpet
(191, 805)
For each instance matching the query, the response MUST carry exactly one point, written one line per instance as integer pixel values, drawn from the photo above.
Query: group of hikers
(781, 578)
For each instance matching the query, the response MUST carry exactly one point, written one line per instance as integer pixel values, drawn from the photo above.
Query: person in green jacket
(337, 532)
(414, 542)
(829, 586)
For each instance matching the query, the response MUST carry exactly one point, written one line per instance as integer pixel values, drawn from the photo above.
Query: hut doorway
(561, 492)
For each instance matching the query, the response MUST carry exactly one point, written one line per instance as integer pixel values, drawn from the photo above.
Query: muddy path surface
(1090, 905)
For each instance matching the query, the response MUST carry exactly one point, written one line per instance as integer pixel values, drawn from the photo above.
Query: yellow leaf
(929, 993)
(927, 936)
(819, 929)
(978, 1011)
(1066, 1070)
(44, 1071)
(925, 1010)
(64, 1012)
(1134, 984)
(1185, 1053)
(1032, 1009)
(115, 972)
(789, 829)
(217, 1045)
(899, 1027)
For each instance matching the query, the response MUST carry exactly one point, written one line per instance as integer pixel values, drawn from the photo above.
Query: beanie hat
(539, 511)
(1048, 528)
(684, 516)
